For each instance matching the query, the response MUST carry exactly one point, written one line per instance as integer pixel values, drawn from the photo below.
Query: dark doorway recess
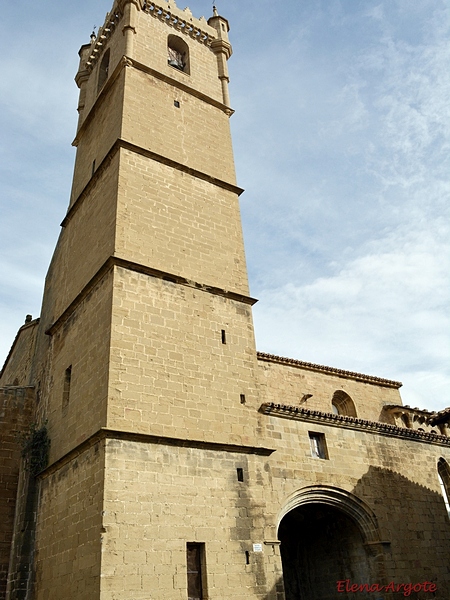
(321, 545)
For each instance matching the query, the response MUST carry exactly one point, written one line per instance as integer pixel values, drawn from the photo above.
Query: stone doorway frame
(360, 513)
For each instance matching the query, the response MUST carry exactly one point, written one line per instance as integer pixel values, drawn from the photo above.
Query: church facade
(149, 452)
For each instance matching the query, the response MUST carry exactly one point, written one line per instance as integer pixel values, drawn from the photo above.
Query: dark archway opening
(321, 545)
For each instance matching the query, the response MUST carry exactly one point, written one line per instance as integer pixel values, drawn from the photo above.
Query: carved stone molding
(297, 413)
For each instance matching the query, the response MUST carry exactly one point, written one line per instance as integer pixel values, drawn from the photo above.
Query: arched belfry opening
(178, 54)
(103, 70)
(328, 536)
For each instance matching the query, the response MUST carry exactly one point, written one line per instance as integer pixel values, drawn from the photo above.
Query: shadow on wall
(277, 592)
(414, 520)
(389, 530)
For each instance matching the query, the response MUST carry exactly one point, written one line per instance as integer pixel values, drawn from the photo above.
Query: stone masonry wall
(17, 370)
(68, 532)
(160, 497)
(170, 372)
(16, 406)
(195, 133)
(85, 243)
(96, 139)
(81, 343)
(176, 223)
(397, 478)
(287, 384)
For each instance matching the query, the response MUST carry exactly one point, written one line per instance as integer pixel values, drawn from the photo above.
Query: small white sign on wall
(257, 548)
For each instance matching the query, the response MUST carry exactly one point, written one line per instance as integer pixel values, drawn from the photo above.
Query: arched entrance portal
(328, 535)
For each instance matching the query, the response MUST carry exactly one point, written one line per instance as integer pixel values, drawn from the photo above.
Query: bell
(175, 63)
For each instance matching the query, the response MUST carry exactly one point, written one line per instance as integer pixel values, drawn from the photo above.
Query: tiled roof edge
(331, 370)
(304, 414)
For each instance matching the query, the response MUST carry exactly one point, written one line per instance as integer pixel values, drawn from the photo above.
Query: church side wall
(397, 478)
(17, 370)
(286, 384)
(160, 497)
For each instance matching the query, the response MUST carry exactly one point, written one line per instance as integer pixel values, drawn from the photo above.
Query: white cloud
(380, 314)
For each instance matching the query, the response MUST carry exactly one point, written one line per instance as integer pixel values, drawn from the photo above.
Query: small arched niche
(103, 71)
(342, 404)
(178, 54)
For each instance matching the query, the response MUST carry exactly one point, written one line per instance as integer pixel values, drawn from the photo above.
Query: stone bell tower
(148, 287)
(145, 362)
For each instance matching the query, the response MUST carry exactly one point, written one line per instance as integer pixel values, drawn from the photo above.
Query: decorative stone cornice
(104, 33)
(330, 370)
(420, 415)
(416, 414)
(443, 416)
(297, 413)
(406, 408)
(222, 46)
(181, 20)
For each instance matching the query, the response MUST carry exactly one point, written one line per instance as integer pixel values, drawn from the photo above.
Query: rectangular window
(318, 445)
(195, 559)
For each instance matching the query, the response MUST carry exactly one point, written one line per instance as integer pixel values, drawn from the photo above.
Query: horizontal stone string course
(297, 413)
(114, 261)
(157, 440)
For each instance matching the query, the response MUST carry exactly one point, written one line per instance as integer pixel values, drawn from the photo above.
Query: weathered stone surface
(167, 427)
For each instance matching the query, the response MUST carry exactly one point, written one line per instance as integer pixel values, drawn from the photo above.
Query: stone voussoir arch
(340, 499)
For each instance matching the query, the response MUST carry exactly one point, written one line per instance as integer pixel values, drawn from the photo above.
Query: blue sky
(341, 138)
